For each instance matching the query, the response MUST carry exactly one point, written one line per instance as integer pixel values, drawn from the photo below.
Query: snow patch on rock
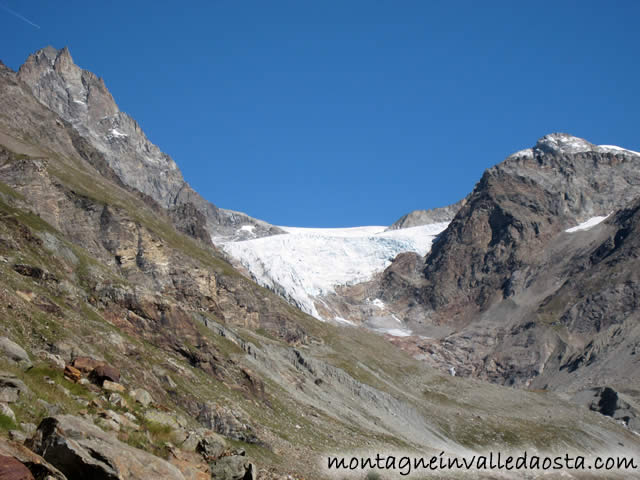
(616, 149)
(592, 222)
(396, 332)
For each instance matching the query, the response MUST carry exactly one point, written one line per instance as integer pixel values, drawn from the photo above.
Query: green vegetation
(6, 423)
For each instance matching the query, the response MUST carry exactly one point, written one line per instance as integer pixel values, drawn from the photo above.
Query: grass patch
(6, 423)
(37, 373)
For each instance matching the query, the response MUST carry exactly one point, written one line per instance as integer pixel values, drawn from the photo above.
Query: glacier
(305, 263)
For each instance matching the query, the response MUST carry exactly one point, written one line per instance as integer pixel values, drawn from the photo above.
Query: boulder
(14, 352)
(86, 364)
(52, 358)
(119, 420)
(37, 465)
(113, 387)
(28, 428)
(211, 446)
(7, 412)
(141, 396)
(11, 388)
(162, 418)
(17, 436)
(236, 467)
(207, 443)
(51, 408)
(72, 374)
(228, 422)
(82, 450)
(12, 469)
(104, 372)
(118, 400)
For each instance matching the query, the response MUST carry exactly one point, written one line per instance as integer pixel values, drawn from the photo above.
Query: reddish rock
(86, 364)
(72, 373)
(104, 372)
(12, 469)
(37, 465)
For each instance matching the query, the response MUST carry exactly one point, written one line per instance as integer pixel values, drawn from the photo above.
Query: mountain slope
(513, 283)
(82, 99)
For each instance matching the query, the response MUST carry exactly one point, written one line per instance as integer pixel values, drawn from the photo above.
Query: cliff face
(514, 212)
(82, 99)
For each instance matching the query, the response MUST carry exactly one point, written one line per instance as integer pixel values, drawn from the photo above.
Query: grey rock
(50, 408)
(126, 420)
(228, 422)
(28, 428)
(11, 388)
(162, 418)
(52, 358)
(117, 400)
(14, 352)
(164, 377)
(233, 468)
(426, 217)
(205, 442)
(17, 436)
(7, 412)
(82, 450)
(141, 396)
(108, 424)
(211, 445)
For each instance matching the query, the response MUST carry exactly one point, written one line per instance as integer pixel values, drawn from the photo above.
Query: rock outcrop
(14, 352)
(80, 449)
(427, 217)
(607, 401)
(38, 467)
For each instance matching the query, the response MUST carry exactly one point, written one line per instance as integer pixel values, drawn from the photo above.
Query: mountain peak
(563, 143)
(50, 55)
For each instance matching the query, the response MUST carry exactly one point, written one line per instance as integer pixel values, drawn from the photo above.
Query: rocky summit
(133, 348)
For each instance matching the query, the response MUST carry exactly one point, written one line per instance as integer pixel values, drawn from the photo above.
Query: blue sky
(343, 113)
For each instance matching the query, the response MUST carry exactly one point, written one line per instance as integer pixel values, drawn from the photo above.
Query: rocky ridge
(428, 217)
(82, 99)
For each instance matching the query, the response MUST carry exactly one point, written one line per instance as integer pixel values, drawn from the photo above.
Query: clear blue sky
(342, 113)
